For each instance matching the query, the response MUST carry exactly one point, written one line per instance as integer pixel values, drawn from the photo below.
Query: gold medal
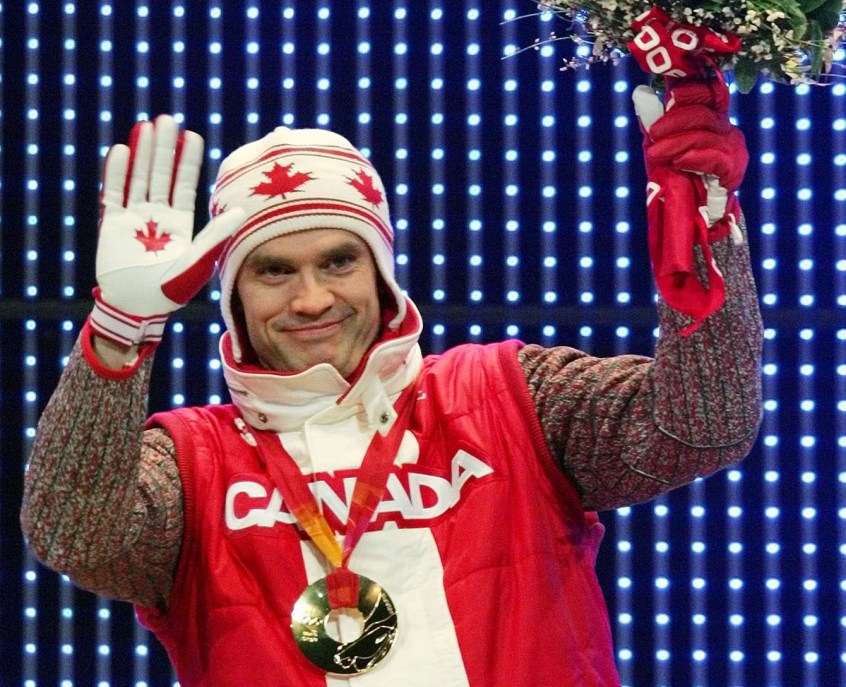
(377, 614)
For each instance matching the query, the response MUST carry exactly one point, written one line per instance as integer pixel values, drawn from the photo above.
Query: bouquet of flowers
(792, 41)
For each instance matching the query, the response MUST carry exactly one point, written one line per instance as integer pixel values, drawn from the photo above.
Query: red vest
(515, 548)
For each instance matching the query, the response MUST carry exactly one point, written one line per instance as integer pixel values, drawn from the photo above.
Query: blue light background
(516, 192)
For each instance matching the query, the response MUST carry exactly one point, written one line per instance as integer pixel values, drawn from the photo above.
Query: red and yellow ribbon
(341, 583)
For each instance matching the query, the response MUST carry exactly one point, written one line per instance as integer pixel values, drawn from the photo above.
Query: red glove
(695, 160)
(695, 134)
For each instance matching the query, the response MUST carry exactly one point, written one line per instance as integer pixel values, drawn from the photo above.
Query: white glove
(647, 105)
(147, 264)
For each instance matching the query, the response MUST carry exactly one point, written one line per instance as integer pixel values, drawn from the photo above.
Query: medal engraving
(308, 623)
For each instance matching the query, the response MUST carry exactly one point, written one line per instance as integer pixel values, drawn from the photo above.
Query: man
(359, 512)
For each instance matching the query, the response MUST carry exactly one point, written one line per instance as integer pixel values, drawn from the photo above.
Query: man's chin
(297, 366)
(344, 361)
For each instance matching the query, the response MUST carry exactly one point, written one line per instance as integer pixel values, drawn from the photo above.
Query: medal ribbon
(341, 583)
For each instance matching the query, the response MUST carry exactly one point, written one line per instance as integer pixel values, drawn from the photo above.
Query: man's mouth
(315, 330)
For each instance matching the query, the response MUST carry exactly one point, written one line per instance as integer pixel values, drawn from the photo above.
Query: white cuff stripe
(127, 329)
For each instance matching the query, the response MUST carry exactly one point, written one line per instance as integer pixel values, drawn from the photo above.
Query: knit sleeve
(628, 428)
(102, 497)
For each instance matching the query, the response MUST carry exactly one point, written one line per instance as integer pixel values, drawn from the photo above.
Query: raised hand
(695, 161)
(148, 261)
(696, 135)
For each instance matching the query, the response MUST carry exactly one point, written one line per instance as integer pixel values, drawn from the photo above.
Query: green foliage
(745, 75)
(827, 13)
(788, 41)
(816, 47)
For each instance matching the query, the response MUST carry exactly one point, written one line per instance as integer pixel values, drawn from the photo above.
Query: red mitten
(695, 135)
(695, 160)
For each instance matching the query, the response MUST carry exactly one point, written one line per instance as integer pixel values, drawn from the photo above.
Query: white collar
(284, 402)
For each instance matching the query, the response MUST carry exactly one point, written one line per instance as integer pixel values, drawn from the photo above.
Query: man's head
(310, 297)
(291, 183)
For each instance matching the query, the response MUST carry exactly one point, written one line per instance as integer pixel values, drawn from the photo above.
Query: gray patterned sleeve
(628, 428)
(102, 497)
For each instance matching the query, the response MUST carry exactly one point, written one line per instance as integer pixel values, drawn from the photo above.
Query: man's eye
(340, 262)
(273, 271)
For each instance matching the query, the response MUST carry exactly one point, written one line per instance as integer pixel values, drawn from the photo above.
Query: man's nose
(312, 297)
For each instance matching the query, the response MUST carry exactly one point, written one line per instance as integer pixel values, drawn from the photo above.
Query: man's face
(308, 298)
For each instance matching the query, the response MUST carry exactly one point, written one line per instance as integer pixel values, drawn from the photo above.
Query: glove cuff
(102, 370)
(124, 328)
(727, 224)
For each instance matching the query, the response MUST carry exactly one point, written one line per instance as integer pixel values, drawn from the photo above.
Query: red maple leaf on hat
(363, 183)
(280, 181)
(152, 240)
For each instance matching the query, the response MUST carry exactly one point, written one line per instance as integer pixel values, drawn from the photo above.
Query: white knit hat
(293, 180)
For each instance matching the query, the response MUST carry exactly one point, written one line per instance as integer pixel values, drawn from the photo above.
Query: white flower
(764, 27)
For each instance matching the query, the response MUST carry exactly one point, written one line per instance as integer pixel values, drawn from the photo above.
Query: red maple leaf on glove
(216, 208)
(152, 240)
(281, 181)
(363, 183)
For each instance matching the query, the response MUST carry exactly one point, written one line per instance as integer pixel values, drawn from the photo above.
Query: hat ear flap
(239, 329)
(387, 301)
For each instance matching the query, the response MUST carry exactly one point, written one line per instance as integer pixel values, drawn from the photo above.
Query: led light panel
(517, 194)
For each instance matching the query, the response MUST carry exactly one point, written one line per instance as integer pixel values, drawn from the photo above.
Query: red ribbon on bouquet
(669, 48)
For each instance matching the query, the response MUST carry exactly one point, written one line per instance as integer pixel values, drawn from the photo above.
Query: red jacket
(481, 542)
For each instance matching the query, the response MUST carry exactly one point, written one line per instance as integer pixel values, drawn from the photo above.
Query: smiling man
(358, 514)
(310, 302)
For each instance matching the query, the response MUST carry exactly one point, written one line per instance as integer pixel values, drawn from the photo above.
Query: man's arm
(102, 499)
(629, 428)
